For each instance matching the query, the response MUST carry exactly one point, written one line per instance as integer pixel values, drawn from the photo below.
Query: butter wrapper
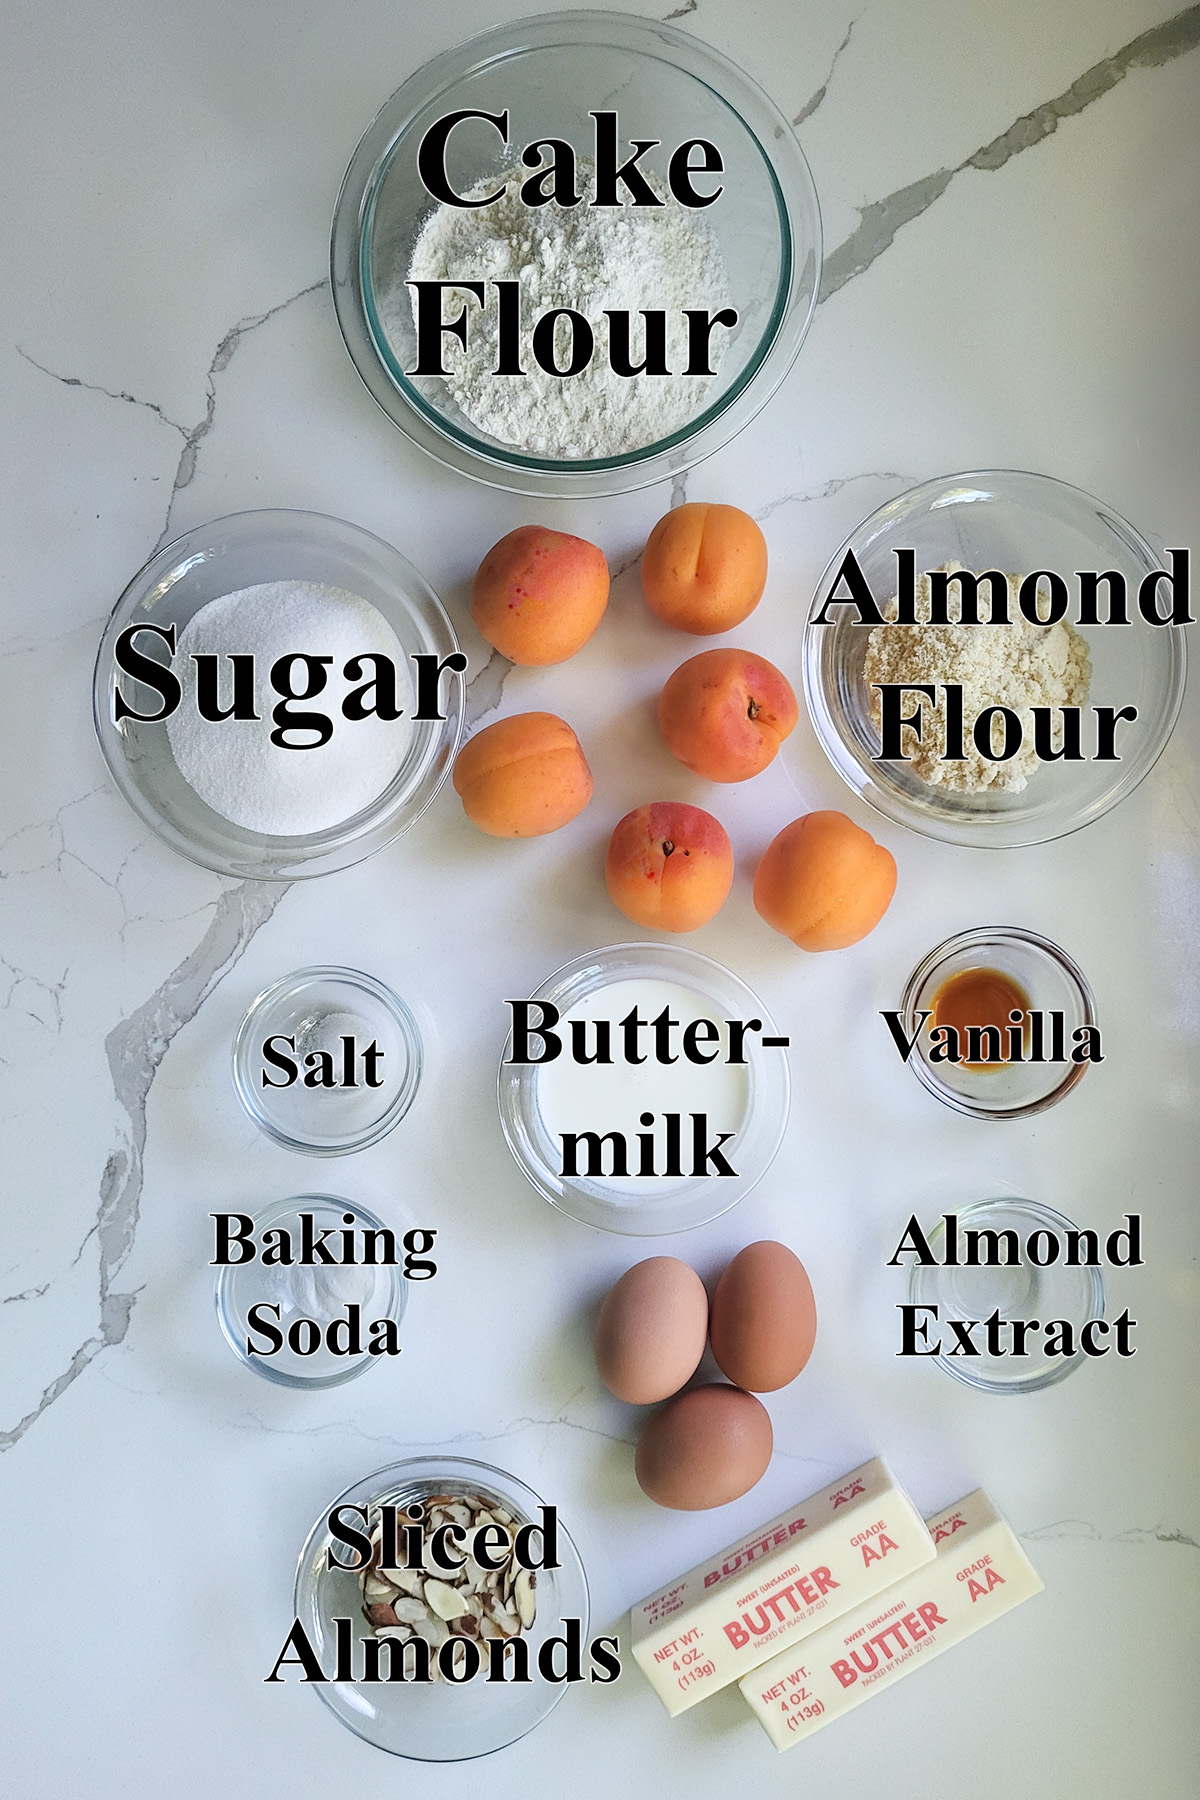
(811, 1564)
(979, 1572)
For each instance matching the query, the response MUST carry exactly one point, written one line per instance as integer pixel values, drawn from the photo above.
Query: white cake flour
(233, 765)
(1019, 665)
(591, 259)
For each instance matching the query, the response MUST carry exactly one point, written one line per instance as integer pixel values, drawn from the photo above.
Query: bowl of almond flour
(994, 762)
(634, 286)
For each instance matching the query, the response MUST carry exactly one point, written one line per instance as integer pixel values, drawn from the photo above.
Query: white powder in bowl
(232, 763)
(1019, 665)
(591, 259)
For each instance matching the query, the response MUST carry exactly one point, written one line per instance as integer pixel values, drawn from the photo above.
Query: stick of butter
(980, 1571)
(811, 1564)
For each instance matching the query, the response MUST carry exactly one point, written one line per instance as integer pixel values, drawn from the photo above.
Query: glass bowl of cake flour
(995, 790)
(621, 327)
(286, 642)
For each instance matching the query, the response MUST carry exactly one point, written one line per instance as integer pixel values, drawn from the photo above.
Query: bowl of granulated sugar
(994, 658)
(278, 694)
(576, 254)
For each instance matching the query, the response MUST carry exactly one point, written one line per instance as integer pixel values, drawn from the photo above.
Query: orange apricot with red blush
(669, 866)
(725, 713)
(538, 595)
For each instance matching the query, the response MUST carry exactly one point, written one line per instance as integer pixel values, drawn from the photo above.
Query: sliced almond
(409, 1611)
(524, 1595)
(375, 1587)
(434, 1631)
(446, 1602)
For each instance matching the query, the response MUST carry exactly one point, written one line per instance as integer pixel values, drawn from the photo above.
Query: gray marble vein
(1080, 1531)
(135, 1049)
(485, 690)
(94, 387)
(880, 222)
(810, 106)
(222, 357)
(830, 488)
(193, 435)
(137, 1045)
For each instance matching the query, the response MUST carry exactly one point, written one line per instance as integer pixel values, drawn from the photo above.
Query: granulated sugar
(1019, 665)
(591, 259)
(233, 765)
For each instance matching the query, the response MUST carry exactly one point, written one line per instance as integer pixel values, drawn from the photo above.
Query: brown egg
(705, 1448)
(764, 1318)
(651, 1329)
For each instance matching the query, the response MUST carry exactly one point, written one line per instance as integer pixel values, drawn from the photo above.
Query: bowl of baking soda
(995, 658)
(278, 694)
(576, 254)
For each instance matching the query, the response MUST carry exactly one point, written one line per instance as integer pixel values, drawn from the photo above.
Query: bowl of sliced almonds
(445, 1602)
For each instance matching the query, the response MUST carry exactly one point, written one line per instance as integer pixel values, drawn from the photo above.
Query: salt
(232, 764)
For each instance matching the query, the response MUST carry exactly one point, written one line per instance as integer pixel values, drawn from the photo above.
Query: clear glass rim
(791, 314)
(699, 1200)
(397, 1299)
(416, 1472)
(243, 1049)
(1046, 1216)
(965, 940)
(978, 831)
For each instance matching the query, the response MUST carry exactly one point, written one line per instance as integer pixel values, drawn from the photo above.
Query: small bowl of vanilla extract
(1001, 1023)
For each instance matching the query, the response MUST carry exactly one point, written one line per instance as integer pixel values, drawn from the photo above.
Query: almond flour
(1019, 665)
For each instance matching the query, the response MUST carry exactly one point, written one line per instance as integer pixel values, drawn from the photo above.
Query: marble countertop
(1010, 206)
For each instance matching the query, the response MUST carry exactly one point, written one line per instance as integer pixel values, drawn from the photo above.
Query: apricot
(523, 776)
(538, 595)
(669, 866)
(725, 713)
(824, 882)
(704, 568)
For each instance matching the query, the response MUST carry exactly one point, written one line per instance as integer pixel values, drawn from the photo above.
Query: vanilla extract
(1026, 1035)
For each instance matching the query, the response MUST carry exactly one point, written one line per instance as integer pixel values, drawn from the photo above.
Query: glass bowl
(436, 1722)
(1017, 523)
(245, 550)
(1022, 1291)
(1052, 982)
(537, 1102)
(316, 1009)
(317, 1293)
(549, 73)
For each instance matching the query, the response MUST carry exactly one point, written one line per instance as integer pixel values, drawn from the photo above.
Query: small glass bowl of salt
(312, 1324)
(327, 1061)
